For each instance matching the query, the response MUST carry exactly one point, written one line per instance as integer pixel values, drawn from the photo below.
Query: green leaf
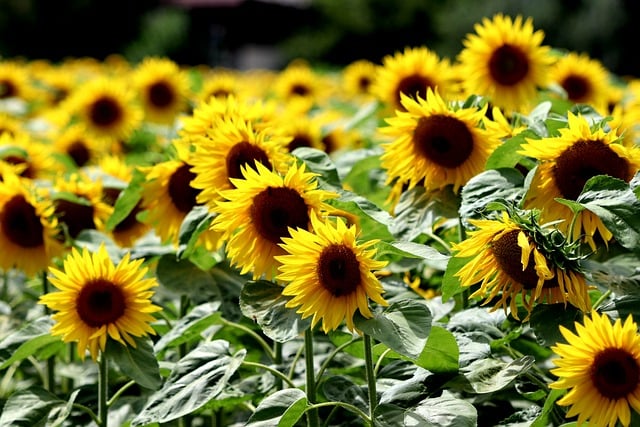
(546, 318)
(127, 200)
(31, 347)
(342, 389)
(506, 154)
(196, 379)
(613, 201)
(373, 222)
(491, 375)
(545, 417)
(30, 408)
(263, 302)
(443, 411)
(488, 186)
(33, 330)
(283, 409)
(431, 256)
(183, 277)
(194, 223)
(450, 283)
(70, 197)
(404, 327)
(139, 363)
(440, 354)
(189, 327)
(318, 161)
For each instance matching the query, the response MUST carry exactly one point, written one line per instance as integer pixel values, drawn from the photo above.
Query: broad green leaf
(444, 411)
(70, 197)
(195, 222)
(283, 409)
(546, 318)
(491, 185)
(35, 329)
(431, 256)
(451, 285)
(127, 200)
(139, 363)
(263, 302)
(59, 414)
(342, 389)
(491, 375)
(624, 306)
(196, 379)
(31, 347)
(30, 408)
(373, 222)
(183, 277)
(440, 354)
(190, 326)
(545, 417)
(506, 154)
(318, 161)
(403, 326)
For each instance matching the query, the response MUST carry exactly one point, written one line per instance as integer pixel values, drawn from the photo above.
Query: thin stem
(380, 359)
(462, 235)
(312, 414)
(88, 411)
(333, 354)
(103, 379)
(371, 376)
(275, 372)
(118, 393)
(277, 352)
(603, 297)
(294, 362)
(51, 361)
(344, 405)
(184, 308)
(265, 346)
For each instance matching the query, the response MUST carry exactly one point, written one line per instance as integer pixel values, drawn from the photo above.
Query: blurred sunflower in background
(261, 210)
(99, 300)
(15, 82)
(163, 89)
(219, 83)
(566, 162)
(435, 144)
(411, 73)
(514, 260)
(504, 60)
(599, 365)
(358, 79)
(33, 156)
(329, 273)
(299, 82)
(78, 144)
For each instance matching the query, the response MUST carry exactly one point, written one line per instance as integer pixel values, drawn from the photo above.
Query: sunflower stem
(602, 298)
(312, 413)
(371, 377)
(103, 379)
(51, 361)
(277, 352)
(462, 235)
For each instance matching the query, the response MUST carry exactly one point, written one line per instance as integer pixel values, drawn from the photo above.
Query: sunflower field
(424, 241)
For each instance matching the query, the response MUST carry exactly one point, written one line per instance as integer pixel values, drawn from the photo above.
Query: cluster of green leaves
(227, 350)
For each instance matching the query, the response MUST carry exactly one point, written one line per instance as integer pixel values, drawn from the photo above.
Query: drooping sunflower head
(261, 210)
(410, 73)
(599, 365)
(97, 300)
(436, 144)
(28, 227)
(566, 163)
(512, 258)
(329, 273)
(505, 61)
(163, 89)
(230, 145)
(583, 79)
(108, 108)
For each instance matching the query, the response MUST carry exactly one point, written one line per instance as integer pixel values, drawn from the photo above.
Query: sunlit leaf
(189, 327)
(444, 411)
(491, 375)
(139, 363)
(283, 409)
(32, 407)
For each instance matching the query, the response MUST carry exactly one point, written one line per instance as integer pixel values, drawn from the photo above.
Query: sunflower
(585, 80)
(298, 82)
(163, 89)
(220, 83)
(301, 130)
(260, 211)
(167, 196)
(566, 162)
(28, 227)
(79, 204)
(108, 108)
(34, 158)
(98, 300)
(600, 365)
(79, 145)
(15, 81)
(410, 73)
(229, 145)
(358, 78)
(510, 259)
(504, 61)
(329, 274)
(435, 144)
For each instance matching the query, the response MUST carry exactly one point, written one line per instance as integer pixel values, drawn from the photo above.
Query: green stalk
(103, 383)
(277, 352)
(371, 377)
(312, 414)
(51, 361)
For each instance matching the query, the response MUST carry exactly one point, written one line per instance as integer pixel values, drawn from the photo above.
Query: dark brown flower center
(21, 224)
(110, 195)
(105, 111)
(584, 160)
(577, 88)
(615, 373)
(300, 90)
(413, 86)
(299, 141)
(245, 154)
(364, 83)
(74, 216)
(182, 194)
(275, 209)
(443, 140)
(100, 302)
(161, 94)
(508, 65)
(7, 89)
(339, 270)
(79, 153)
(220, 93)
(508, 255)
(27, 172)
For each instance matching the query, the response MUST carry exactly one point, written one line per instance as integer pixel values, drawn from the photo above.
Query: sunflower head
(599, 365)
(98, 300)
(329, 273)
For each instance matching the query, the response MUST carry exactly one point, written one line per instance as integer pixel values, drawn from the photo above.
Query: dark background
(269, 33)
